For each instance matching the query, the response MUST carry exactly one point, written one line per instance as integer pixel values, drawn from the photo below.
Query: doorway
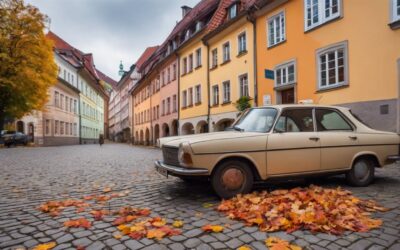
(287, 96)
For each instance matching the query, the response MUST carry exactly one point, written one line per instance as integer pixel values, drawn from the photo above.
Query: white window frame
(284, 68)
(232, 11)
(395, 7)
(330, 49)
(240, 49)
(226, 54)
(197, 90)
(184, 98)
(276, 20)
(214, 58)
(198, 57)
(215, 94)
(226, 92)
(321, 13)
(241, 88)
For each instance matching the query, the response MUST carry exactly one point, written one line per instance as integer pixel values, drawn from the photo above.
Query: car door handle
(314, 138)
(353, 137)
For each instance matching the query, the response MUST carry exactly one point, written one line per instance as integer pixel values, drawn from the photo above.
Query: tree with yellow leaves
(27, 66)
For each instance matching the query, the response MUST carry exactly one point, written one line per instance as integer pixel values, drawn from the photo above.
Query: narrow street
(32, 176)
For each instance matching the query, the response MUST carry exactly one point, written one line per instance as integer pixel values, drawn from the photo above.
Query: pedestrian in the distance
(101, 139)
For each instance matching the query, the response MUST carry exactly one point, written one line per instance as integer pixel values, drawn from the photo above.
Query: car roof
(282, 106)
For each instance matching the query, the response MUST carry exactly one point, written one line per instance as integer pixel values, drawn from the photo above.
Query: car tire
(231, 178)
(362, 173)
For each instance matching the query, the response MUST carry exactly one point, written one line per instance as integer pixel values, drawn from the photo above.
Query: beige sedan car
(280, 141)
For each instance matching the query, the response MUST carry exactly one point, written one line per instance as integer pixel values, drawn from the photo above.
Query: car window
(295, 120)
(257, 120)
(331, 120)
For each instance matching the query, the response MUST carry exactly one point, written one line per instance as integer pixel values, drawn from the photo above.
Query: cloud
(112, 30)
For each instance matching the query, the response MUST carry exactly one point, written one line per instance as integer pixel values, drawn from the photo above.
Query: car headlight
(184, 155)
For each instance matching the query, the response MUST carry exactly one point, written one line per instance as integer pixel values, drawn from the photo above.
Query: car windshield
(256, 120)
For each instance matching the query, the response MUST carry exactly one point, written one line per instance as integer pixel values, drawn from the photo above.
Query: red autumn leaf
(81, 222)
(137, 235)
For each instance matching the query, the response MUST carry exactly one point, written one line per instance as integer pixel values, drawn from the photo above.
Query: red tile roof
(145, 55)
(77, 58)
(107, 79)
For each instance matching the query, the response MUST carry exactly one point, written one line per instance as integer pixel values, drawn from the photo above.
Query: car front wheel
(232, 178)
(362, 173)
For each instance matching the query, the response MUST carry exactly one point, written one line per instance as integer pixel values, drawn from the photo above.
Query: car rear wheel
(362, 173)
(232, 178)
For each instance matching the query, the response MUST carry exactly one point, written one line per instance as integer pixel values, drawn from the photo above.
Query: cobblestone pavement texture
(31, 176)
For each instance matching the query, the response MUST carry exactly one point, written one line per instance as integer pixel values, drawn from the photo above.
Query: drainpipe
(208, 84)
(179, 91)
(80, 119)
(253, 21)
(398, 97)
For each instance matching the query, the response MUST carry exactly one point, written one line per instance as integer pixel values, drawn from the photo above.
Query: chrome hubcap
(233, 178)
(361, 171)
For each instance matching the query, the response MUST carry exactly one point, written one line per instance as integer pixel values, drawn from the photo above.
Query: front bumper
(178, 171)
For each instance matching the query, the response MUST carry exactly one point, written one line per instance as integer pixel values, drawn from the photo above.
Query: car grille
(170, 155)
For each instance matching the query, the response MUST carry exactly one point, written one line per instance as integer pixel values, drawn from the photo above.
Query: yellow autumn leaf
(117, 236)
(177, 223)
(124, 229)
(213, 228)
(244, 248)
(46, 246)
(137, 228)
(159, 223)
(207, 205)
(257, 220)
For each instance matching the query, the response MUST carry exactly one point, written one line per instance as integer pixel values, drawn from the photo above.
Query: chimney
(185, 10)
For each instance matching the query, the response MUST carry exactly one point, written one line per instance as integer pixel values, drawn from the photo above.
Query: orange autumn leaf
(81, 222)
(117, 236)
(46, 246)
(98, 214)
(244, 248)
(275, 243)
(155, 233)
(213, 228)
(107, 190)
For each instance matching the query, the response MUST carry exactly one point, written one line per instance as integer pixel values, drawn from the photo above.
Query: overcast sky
(113, 30)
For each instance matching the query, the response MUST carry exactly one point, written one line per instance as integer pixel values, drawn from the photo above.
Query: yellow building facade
(231, 71)
(332, 52)
(193, 116)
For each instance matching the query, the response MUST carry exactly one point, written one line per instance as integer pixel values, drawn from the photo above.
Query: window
(396, 10)
(232, 12)
(242, 43)
(67, 128)
(158, 111)
(168, 75)
(226, 88)
(66, 103)
(174, 104)
(75, 106)
(168, 105)
(214, 58)
(197, 93)
(184, 98)
(226, 52)
(332, 66)
(184, 66)
(190, 63)
(330, 120)
(243, 85)
(162, 78)
(174, 71)
(276, 29)
(62, 128)
(75, 129)
(257, 120)
(190, 97)
(215, 95)
(61, 101)
(65, 74)
(56, 99)
(47, 127)
(285, 74)
(318, 12)
(71, 105)
(295, 120)
(56, 123)
(198, 58)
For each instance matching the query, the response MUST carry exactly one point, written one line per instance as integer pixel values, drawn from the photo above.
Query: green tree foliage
(243, 103)
(27, 66)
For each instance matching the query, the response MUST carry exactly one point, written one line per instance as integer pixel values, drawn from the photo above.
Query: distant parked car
(281, 141)
(14, 138)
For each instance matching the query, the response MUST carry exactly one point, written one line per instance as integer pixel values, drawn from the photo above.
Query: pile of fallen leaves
(314, 208)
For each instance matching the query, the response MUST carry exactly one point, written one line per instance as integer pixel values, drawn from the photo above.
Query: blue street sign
(269, 74)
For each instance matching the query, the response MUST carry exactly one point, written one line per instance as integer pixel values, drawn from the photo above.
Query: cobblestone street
(31, 176)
